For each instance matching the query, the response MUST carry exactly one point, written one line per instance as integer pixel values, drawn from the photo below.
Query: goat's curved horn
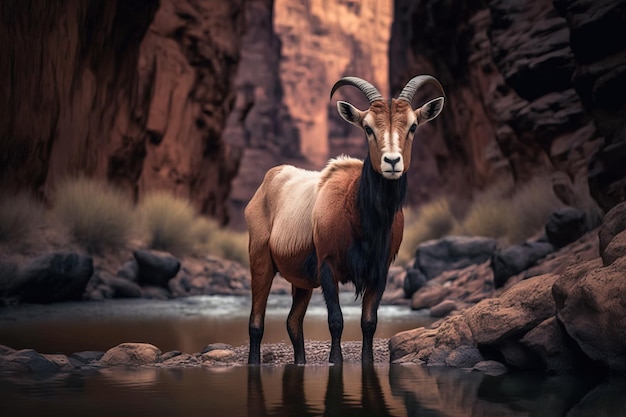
(366, 88)
(415, 84)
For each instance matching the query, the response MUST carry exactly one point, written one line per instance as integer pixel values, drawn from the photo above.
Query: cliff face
(518, 82)
(134, 93)
(292, 54)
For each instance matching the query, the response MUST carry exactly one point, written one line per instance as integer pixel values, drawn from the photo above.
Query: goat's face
(390, 126)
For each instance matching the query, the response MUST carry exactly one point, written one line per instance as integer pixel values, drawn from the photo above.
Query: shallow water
(268, 390)
(186, 324)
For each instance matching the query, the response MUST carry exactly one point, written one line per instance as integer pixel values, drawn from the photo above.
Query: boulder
(492, 368)
(429, 296)
(129, 271)
(515, 259)
(591, 304)
(443, 308)
(615, 249)
(27, 360)
(565, 225)
(515, 312)
(613, 223)
(50, 278)
(413, 281)
(87, 356)
(131, 354)
(219, 355)
(156, 267)
(453, 252)
(557, 351)
(120, 287)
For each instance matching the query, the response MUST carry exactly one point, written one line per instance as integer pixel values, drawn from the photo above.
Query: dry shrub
(96, 215)
(432, 220)
(20, 216)
(167, 223)
(220, 242)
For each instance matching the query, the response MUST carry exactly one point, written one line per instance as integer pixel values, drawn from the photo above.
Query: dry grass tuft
(96, 215)
(220, 242)
(167, 223)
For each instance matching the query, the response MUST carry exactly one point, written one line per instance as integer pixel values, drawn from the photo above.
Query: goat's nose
(393, 162)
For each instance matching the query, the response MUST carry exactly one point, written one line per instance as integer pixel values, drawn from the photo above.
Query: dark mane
(378, 201)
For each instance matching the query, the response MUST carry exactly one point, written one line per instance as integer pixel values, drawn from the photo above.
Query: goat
(343, 224)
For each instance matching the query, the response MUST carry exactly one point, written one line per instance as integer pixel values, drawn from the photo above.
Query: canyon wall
(516, 74)
(292, 54)
(136, 93)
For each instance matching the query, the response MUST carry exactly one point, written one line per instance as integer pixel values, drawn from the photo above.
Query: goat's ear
(350, 113)
(429, 110)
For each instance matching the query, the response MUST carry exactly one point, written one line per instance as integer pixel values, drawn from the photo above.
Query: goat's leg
(262, 273)
(301, 298)
(369, 321)
(330, 289)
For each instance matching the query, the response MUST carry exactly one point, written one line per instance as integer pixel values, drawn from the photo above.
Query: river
(268, 390)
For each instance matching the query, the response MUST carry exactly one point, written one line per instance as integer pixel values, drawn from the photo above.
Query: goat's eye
(368, 130)
(413, 127)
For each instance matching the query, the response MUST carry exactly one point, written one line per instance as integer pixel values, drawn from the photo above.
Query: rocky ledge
(558, 322)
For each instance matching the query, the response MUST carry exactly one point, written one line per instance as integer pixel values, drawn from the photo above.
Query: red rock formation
(120, 91)
(512, 110)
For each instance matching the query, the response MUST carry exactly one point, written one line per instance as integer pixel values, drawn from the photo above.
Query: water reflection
(337, 401)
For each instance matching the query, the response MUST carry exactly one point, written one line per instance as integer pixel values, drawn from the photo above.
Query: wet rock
(64, 363)
(27, 360)
(492, 368)
(411, 341)
(169, 355)
(454, 252)
(515, 259)
(565, 225)
(131, 354)
(590, 302)
(413, 281)
(219, 355)
(49, 278)
(513, 313)
(464, 357)
(156, 267)
(517, 356)
(558, 352)
(87, 356)
(216, 346)
(443, 308)
(183, 360)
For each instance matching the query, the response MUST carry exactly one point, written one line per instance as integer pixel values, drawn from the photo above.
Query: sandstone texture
(567, 321)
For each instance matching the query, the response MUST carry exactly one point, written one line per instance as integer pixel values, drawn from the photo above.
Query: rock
(180, 361)
(120, 287)
(27, 360)
(50, 278)
(515, 259)
(565, 225)
(87, 356)
(443, 308)
(63, 362)
(464, 357)
(411, 341)
(613, 223)
(216, 346)
(156, 267)
(517, 356)
(219, 355)
(515, 312)
(615, 249)
(492, 368)
(155, 293)
(5, 350)
(129, 271)
(413, 281)
(428, 296)
(591, 304)
(558, 352)
(169, 355)
(131, 354)
(454, 252)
